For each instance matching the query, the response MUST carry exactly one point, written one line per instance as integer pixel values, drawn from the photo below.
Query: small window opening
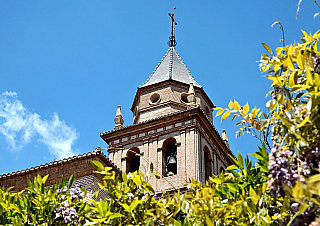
(133, 160)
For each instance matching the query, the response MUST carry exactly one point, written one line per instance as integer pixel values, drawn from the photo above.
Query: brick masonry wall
(82, 169)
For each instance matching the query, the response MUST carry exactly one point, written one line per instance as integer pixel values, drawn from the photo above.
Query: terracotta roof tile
(64, 161)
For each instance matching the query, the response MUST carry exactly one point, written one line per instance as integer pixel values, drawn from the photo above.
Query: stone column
(215, 164)
(117, 157)
(190, 153)
(198, 154)
(153, 157)
(144, 166)
(181, 157)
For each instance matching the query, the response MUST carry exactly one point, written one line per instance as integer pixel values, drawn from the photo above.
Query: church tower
(172, 127)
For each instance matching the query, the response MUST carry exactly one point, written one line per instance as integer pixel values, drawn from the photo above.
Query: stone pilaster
(144, 166)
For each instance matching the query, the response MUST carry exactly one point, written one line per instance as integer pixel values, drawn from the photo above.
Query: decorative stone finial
(98, 149)
(191, 97)
(118, 119)
(225, 138)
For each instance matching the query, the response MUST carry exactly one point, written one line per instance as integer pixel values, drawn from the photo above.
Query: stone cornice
(193, 118)
(165, 84)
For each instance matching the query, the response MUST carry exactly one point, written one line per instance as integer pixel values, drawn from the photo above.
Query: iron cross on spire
(172, 39)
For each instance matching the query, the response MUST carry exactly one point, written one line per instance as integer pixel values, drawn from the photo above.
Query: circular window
(155, 98)
(184, 97)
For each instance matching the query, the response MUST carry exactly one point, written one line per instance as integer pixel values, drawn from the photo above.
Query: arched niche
(208, 162)
(169, 157)
(133, 160)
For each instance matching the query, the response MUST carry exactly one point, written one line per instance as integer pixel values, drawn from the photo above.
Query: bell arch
(133, 160)
(169, 157)
(208, 162)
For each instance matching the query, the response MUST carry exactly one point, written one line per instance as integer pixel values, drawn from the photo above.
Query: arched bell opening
(169, 153)
(208, 162)
(133, 160)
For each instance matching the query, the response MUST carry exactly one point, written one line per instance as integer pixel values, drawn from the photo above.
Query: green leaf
(304, 121)
(124, 177)
(300, 61)
(29, 182)
(267, 47)
(314, 178)
(63, 181)
(236, 105)
(220, 112)
(309, 77)
(240, 160)
(157, 176)
(230, 105)
(209, 222)
(134, 204)
(151, 168)
(98, 165)
(71, 180)
(225, 115)
(44, 179)
(115, 215)
(232, 167)
(293, 79)
(290, 64)
(246, 109)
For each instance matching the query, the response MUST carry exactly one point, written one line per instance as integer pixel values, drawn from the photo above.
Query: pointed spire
(118, 119)
(171, 67)
(191, 97)
(225, 138)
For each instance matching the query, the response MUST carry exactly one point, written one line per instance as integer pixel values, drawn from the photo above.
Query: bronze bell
(172, 160)
(172, 166)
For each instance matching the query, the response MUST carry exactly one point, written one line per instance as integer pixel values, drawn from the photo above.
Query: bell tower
(172, 127)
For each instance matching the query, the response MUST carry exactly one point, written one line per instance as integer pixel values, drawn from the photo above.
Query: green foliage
(237, 197)
(293, 121)
(281, 188)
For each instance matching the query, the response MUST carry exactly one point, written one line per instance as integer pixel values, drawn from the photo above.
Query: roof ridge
(170, 63)
(64, 160)
(185, 66)
(156, 67)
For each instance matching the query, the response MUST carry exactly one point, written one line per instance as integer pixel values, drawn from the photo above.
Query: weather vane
(172, 39)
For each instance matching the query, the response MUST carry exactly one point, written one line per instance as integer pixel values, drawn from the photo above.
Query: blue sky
(66, 65)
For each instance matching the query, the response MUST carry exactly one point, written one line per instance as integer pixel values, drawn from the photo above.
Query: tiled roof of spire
(171, 67)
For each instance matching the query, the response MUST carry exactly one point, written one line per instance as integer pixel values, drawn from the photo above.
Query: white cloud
(19, 127)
